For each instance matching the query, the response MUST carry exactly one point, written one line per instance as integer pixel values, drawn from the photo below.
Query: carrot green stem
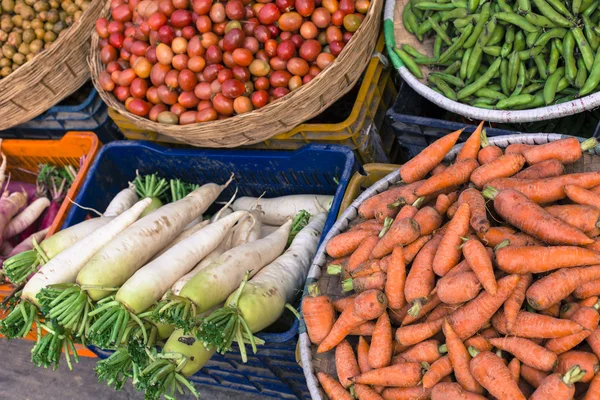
(347, 285)
(334, 269)
(419, 202)
(416, 308)
(589, 144)
(443, 349)
(484, 139)
(573, 375)
(473, 351)
(313, 290)
(400, 202)
(490, 192)
(387, 224)
(20, 266)
(502, 244)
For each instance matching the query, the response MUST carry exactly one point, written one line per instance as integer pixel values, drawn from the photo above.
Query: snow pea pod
(593, 79)
(584, 47)
(547, 11)
(517, 20)
(409, 62)
(481, 81)
(551, 85)
(514, 101)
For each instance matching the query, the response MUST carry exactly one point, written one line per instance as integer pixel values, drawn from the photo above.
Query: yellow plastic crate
(376, 94)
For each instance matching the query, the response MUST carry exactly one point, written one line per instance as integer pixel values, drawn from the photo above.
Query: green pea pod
(440, 32)
(584, 47)
(539, 20)
(492, 50)
(454, 14)
(511, 102)
(443, 86)
(481, 81)
(559, 5)
(593, 79)
(450, 79)
(534, 87)
(551, 85)
(554, 58)
(503, 6)
(576, 6)
(426, 25)
(517, 20)
(485, 15)
(458, 44)
(472, 5)
(519, 43)
(460, 3)
(542, 67)
(590, 10)
(555, 33)
(531, 53)
(569, 57)
(428, 5)
(427, 60)
(487, 32)
(538, 101)
(461, 23)
(531, 74)
(560, 47)
(590, 35)
(509, 39)
(474, 61)
(409, 63)
(581, 74)
(524, 6)
(563, 85)
(437, 46)
(411, 20)
(513, 70)
(490, 94)
(520, 81)
(405, 14)
(412, 51)
(494, 86)
(497, 36)
(585, 4)
(530, 38)
(596, 29)
(483, 100)
(453, 68)
(418, 13)
(483, 105)
(549, 12)
(465, 63)
(504, 77)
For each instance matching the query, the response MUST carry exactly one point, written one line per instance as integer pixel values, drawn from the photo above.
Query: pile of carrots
(470, 280)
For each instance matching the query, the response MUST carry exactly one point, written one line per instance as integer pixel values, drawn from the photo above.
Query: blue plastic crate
(417, 123)
(321, 169)
(90, 115)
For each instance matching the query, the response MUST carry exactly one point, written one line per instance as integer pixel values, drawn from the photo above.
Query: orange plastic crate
(23, 158)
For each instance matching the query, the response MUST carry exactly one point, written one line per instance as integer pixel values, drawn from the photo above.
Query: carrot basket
(331, 285)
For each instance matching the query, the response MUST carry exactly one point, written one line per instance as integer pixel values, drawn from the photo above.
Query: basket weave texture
(51, 76)
(331, 285)
(277, 117)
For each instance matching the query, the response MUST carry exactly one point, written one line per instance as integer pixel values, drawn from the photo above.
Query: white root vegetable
(266, 230)
(5, 249)
(150, 282)
(9, 206)
(247, 230)
(64, 267)
(277, 210)
(27, 244)
(124, 200)
(132, 248)
(22, 221)
(182, 236)
(225, 211)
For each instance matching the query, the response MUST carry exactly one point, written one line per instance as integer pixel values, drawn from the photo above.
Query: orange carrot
(527, 352)
(375, 280)
(479, 221)
(368, 225)
(587, 317)
(345, 243)
(398, 314)
(502, 167)
(481, 264)
(451, 391)
(413, 334)
(396, 194)
(345, 363)
(593, 392)
(455, 175)
(398, 208)
(380, 352)
(332, 388)
(396, 277)
(558, 386)
(401, 232)
(481, 341)
(366, 268)
(487, 153)
(593, 233)
(362, 355)
(440, 311)
(569, 309)
(517, 148)
(553, 310)
(426, 305)
(567, 151)
(427, 351)
(438, 168)
(444, 201)
(544, 169)
(588, 362)
(594, 341)
(452, 210)
(515, 300)
(460, 359)
(530, 325)
(408, 393)
(585, 218)
(418, 167)
(529, 217)
(319, 315)
(470, 148)
(366, 306)
(582, 196)
(428, 219)
(489, 370)
(440, 368)
(471, 317)
(589, 301)
(341, 304)
(398, 348)
(362, 253)
(412, 249)
(496, 235)
(533, 376)
(558, 285)
(458, 288)
(514, 366)
(588, 289)
(401, 375)
(420, 280)
(448, 253)
(365, 329)
(537, 259)
(364, 392)
(547, 190)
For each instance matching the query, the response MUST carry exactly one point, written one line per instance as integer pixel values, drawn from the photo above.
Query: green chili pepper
(593, 79)
(542, 67)
(584, 47)
(569, 57)
(485, 15)
(458, 44)
(517, 20)
(409, 63)
(411, 51)
(581, 74)
(555, 33)
(490, 94)
(481, 81)
(450, 79)
(547, 11)
(504, 77)
(513, 70)
(552, 84)
(539, 20)
(522, 99)
(465, 63)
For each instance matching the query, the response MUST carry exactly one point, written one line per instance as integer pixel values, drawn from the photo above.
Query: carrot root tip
(387, 224)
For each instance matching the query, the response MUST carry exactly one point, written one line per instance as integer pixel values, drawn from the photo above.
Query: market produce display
(182, 62)
(500, 55)
(475, 278)
(161, 285)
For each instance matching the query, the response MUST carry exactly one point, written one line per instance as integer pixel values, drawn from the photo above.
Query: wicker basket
(331, 285)
(277, 117)
(51, 76)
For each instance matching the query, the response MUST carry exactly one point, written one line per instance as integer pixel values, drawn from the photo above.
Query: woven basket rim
(241, 125)
(572, 107)
(351, 213)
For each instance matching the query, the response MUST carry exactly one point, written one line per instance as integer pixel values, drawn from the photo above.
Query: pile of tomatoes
(188, 61)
